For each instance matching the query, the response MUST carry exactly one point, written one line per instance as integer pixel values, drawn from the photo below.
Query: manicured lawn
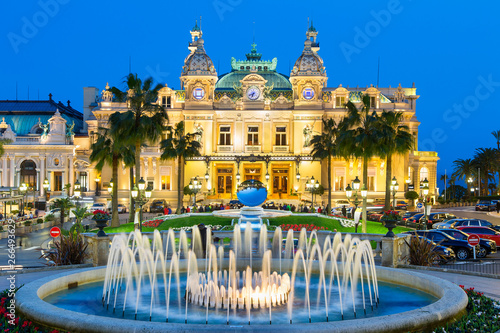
(372, 227)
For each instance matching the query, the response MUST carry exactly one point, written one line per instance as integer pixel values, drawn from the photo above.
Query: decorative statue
(307, 135)
(238, 91)
(44, 127)
(267, 91)
(69, 130)
(198, 132)
(106, 94)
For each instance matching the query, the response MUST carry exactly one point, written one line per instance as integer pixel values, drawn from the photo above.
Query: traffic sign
(473, 240)
(420, 205)
(55, 232)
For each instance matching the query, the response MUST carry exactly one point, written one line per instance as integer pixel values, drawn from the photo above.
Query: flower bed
(483, 315)
(298, 227)
(11, 323)
(153, 223)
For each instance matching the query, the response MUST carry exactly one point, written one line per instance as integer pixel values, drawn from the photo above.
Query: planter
(101, 224)
(390, 224)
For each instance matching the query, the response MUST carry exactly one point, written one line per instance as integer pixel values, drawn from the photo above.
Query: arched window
(424, 173)
(28, 173)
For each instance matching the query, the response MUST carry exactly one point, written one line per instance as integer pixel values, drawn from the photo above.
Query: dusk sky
(449, 49)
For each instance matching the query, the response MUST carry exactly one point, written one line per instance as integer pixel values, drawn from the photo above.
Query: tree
(109, 149)
(463, 169)
(412, 195)
(395, 139)
(359, 137)
(486, 159)
(325, 147)
(144, 121)
(2, 143)
(64, 204)
(179, 146)
(496, 134)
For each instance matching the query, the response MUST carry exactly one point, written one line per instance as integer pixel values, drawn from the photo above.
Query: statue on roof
(399, 94)
(45, 129)
(106, 94)
(267, 91)
(69, 130)
(238, 92)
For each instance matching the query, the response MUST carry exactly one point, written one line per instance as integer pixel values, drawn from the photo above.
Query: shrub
(422, 252)
(49, 217)
(39, 221)
(27, 223)
(70, 250)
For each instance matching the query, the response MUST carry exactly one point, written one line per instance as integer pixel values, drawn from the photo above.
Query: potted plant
(390, 218)
(101, 218)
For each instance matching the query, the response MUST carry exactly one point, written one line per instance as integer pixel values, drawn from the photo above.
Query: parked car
(403, 205)
(486, 246)
(98, 206)
(157, 206)
(374, 214)
(483, 232)
(455, 223)
(122, 208)
(485, 205)
(446, 254)
(462, 249)
(413, 221)
(440, 217)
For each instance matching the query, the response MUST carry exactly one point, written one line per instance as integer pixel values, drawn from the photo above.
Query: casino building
(254, 123)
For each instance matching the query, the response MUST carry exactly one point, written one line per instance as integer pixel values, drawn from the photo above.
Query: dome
(309, 63)
(198, 62)
(277, 80)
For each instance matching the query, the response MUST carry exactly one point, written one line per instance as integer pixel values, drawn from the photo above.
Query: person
(498, 206)
(183, 210)
(344, 211)
(188, 209)
(1, 216)
(36, 212)
(165, 211)
(31, 215)
(169, 210)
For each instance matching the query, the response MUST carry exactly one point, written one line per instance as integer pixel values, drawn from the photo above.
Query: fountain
(168, 281)
(252, 194)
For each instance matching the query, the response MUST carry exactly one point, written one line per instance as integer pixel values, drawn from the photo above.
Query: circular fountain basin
(33, 301)
(258, 211)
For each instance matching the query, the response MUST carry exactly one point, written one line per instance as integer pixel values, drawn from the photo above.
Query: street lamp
(110, 186)
(425, 192)
(267, 175)
(469, 181)
(348, 192)
(207, 176)
(97, 180)
(141, 195)
(195, 187)
(312, 186)
(46, 187)
(77, 192)
(394, 189)
(23, 189)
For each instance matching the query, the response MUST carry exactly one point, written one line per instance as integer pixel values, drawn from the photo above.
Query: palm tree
(496, 134)
(444, 178)
(107, 149)
(486, 159)
(395, 139)
(452, 182)
(325, 146)
(463, 169)
(180, 146)
(359, 136)
(145, 119)
(64, 204)
(4, 142)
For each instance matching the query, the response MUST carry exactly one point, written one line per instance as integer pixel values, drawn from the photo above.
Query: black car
(157, 206)
(486, 246)
(485, 205)
(462, 249)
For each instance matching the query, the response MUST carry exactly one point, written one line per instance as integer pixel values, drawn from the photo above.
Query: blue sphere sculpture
(252, 193)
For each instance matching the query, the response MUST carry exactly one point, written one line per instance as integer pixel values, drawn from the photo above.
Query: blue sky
(449, 49)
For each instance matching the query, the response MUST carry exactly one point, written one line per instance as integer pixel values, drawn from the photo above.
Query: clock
(253, 93)
(198, 93)
(308, 93)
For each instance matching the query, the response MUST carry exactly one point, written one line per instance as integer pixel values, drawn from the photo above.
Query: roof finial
(50, 96)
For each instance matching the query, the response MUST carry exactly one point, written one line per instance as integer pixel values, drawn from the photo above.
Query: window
(370, 184)
(281, 136)
(474, 222)
(424, 174)
(340, 101)
(166, 101)
(165, 178)
(224, 180)
(339, 179)
(225, 136)
(83, 181)
(28, 173)
(58, 181)
(373, 102)
(253, 135)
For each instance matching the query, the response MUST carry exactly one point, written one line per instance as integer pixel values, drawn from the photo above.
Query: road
(469, 212)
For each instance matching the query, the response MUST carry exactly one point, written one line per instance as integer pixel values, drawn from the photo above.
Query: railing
(27, 139)
(224, 148)
(425, 153)
(252, 149)
(281, 149)
(484, 266)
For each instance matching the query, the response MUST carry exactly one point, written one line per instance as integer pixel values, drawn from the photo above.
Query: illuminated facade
(255, 123)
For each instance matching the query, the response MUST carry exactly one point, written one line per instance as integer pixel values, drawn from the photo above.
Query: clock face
(198, 93)
(253, 93)
(308, 93)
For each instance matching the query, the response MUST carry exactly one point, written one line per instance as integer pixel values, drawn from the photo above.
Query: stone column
(42, 175)
(12, 170)
(395, 251)
(71, 175)
(4, 171)
(98, 249)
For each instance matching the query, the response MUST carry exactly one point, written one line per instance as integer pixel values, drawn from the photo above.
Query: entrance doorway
(252, 172)
(281, 185)
(224, 181)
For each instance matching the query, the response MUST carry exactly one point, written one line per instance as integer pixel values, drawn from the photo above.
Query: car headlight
(446, 252)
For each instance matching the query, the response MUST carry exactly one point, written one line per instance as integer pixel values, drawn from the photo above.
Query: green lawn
(372, 227)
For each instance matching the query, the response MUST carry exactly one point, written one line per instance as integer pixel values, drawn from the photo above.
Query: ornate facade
(254, 123)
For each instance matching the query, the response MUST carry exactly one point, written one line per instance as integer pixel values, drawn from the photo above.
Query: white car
(97, 206)
(122, 208)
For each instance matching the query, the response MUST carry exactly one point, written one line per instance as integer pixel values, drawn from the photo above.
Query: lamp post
(23, 189)
(141, 195)
(312, 186)
(195, 187)
(407, 181)
(348, 192)
(425, 192)
(97, 180)
(77, 193)
(469, 182)
(46, 187)
(394, 189)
